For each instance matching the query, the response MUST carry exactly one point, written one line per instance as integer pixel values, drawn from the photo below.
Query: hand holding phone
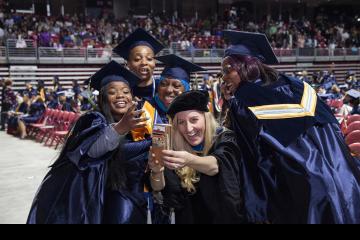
(132, 119)
(161, 140)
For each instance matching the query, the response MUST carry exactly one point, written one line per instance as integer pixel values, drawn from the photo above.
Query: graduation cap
(343, 86)
(206, 77)
(112, 72)
(61, 93)
(250, 44)
(86, 94)
(353, 93)
(178, 68)
(67, 94)
(351, 73)
(193, 100)
(138, 38)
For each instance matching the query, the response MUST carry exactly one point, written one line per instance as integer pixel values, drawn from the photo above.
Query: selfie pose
(99, 175)
(199, 178)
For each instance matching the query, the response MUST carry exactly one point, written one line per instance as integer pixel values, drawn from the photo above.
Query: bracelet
(154, 179)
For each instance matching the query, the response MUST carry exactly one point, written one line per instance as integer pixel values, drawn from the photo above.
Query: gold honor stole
(139, 134)
(306, 108)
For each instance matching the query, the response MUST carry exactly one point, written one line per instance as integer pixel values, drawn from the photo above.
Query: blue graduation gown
(53, 104)
(29, 92)
(13, 121)
(294, 170)
(75, 190)
(35, 113)
(129, 205)
(145, 93)
(329, 81)
(67, 107)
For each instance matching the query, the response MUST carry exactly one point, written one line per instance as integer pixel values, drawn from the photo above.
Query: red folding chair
(59, 126)
(353, 127)
(59, 136)
(355, 149)
(353, 137)
(352, 118)
(32, 128)
(50, 125)
(336, 105)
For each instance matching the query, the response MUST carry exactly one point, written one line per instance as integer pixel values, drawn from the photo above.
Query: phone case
(161, 139)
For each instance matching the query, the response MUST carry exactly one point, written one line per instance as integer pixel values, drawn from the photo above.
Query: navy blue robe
(29, 92)
(296, 170)
(13, 121)
(129, 204)
(53, 104)
(145, 93)
(36, 111)
(76, 190)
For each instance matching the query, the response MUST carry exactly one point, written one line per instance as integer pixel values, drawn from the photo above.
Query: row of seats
(350, 126)
(351, 130)
(53, 127)
(335, 104)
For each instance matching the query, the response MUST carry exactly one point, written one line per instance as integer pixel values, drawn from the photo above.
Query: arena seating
(53, 127)
(68, 73)
(351, 129)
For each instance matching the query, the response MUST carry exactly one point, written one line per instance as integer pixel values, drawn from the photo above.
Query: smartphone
(149, 113)
(161, 140)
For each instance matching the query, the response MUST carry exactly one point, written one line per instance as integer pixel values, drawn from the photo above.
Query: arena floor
(23, 165)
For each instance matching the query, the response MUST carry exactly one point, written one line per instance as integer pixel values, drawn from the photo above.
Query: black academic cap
(112, 72)
(138, 38)
(193, 100)
(250, 44)
(178, 68)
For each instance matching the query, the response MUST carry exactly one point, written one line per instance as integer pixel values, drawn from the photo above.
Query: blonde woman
(200, 178)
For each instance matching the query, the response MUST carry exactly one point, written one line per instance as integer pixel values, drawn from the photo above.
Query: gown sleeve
(108, 141)
(222, 193)
(73, 191)
(88, 131)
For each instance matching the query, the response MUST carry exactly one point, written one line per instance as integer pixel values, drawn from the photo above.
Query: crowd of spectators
(322, 31)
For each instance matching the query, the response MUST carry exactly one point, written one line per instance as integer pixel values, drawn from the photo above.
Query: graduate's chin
(194, 142)
(119, 111)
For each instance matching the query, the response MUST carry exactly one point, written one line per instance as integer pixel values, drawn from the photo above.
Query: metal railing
(3, 55)
(32, 54)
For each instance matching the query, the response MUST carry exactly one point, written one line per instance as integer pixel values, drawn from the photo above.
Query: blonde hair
(189, 177)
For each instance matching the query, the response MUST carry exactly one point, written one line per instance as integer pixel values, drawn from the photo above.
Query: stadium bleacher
(66, 73)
